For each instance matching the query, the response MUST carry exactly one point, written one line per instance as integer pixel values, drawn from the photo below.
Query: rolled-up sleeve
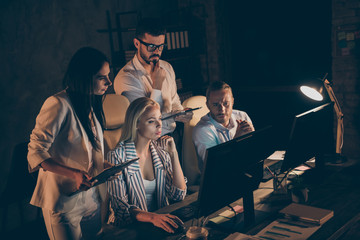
(47, 127)
(118, 194)
(128, 85)
(172, 192)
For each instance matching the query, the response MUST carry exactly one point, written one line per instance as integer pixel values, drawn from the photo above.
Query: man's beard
(147, 59)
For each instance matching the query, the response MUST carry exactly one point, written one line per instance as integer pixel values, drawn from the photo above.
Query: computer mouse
(180, 227)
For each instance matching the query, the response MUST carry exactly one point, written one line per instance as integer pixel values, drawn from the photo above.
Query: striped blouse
(127, 191)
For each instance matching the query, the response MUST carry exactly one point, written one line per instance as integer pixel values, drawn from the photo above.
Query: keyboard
(187, 212)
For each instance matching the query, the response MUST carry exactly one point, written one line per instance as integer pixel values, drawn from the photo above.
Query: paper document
(286, 229)
(277, 155)
(241, 236)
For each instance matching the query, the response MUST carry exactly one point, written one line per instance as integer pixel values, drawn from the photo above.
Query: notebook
(307, 213)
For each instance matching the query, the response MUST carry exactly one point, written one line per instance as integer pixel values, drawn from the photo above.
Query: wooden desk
(144, 230)
(336, 188)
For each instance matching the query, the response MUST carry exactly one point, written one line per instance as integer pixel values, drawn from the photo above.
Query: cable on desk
(232, 209)
(235, 215)
(204, 221)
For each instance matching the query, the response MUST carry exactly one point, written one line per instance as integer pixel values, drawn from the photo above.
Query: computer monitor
(311, 136)
(233, 170)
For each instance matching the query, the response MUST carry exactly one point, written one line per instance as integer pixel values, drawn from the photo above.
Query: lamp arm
(339, 114)
(333, 98)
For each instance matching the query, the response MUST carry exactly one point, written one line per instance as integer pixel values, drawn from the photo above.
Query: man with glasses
(148, 76)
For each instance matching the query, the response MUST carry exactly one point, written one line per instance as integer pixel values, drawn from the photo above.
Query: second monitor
(311, 136)
(233, 170)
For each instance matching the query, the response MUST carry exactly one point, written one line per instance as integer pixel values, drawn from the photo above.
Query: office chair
(189, 158)
(115, 107)
(19, 186)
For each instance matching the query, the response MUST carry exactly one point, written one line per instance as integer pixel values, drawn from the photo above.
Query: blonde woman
(146, 184)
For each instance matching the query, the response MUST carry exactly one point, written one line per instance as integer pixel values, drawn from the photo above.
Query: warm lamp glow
(317, 95)
(311, 93)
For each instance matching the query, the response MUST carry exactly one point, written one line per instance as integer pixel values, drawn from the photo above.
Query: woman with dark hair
(146, 184)
(66, 146)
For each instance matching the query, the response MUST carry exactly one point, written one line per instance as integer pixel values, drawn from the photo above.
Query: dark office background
(264, 49)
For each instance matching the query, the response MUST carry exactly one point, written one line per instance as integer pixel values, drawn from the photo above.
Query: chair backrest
(115, 107)
(20, 183)
(189, 158)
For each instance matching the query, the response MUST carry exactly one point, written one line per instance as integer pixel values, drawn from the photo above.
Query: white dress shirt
(208, 133)
(133, 81)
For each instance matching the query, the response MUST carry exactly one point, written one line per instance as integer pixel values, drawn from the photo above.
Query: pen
(294, 224)
(286, 229)
(267, 238)
(277, 234)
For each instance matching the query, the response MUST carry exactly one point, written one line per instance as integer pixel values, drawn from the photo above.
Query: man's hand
(157, 75)
(243, 128)
(186, 117)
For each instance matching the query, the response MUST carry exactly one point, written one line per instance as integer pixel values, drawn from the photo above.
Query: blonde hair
(133, 114)
(217, 86)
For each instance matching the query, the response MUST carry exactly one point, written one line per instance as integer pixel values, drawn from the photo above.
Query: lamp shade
(311, 93)
(313, 89)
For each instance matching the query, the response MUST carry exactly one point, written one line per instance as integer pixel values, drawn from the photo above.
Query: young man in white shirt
(222, 123)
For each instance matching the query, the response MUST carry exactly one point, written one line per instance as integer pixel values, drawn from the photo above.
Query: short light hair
(133, 114)
(217, 86)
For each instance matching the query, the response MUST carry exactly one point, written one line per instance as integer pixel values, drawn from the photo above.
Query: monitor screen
(233, 169)
(311, 136)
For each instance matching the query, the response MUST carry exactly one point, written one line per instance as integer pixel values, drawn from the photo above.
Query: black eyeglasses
(152, 47)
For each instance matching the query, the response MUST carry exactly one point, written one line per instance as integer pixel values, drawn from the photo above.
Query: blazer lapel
(98, 155)
(84, 138)
(159, 175)
(135, 181)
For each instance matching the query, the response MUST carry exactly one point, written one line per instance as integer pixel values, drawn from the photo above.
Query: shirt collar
(219, 126)
(137, 65)
(130, 152)
(155, 156)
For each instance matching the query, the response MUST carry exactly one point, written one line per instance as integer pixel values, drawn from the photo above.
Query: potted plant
(298, 189)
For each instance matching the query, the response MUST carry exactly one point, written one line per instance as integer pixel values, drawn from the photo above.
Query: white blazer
(58, 134)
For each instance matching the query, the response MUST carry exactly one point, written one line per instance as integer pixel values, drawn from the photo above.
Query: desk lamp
(315, 91)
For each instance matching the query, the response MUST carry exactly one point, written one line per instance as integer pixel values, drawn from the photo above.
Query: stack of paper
(300, 222)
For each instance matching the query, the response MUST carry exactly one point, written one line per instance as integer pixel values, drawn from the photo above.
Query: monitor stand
(243, 222)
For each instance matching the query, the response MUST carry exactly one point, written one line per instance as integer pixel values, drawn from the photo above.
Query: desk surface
(336, 188)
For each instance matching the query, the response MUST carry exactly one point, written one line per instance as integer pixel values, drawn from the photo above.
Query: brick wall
(345, 69)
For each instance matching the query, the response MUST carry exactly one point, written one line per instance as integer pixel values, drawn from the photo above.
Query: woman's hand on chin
(167, 143)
